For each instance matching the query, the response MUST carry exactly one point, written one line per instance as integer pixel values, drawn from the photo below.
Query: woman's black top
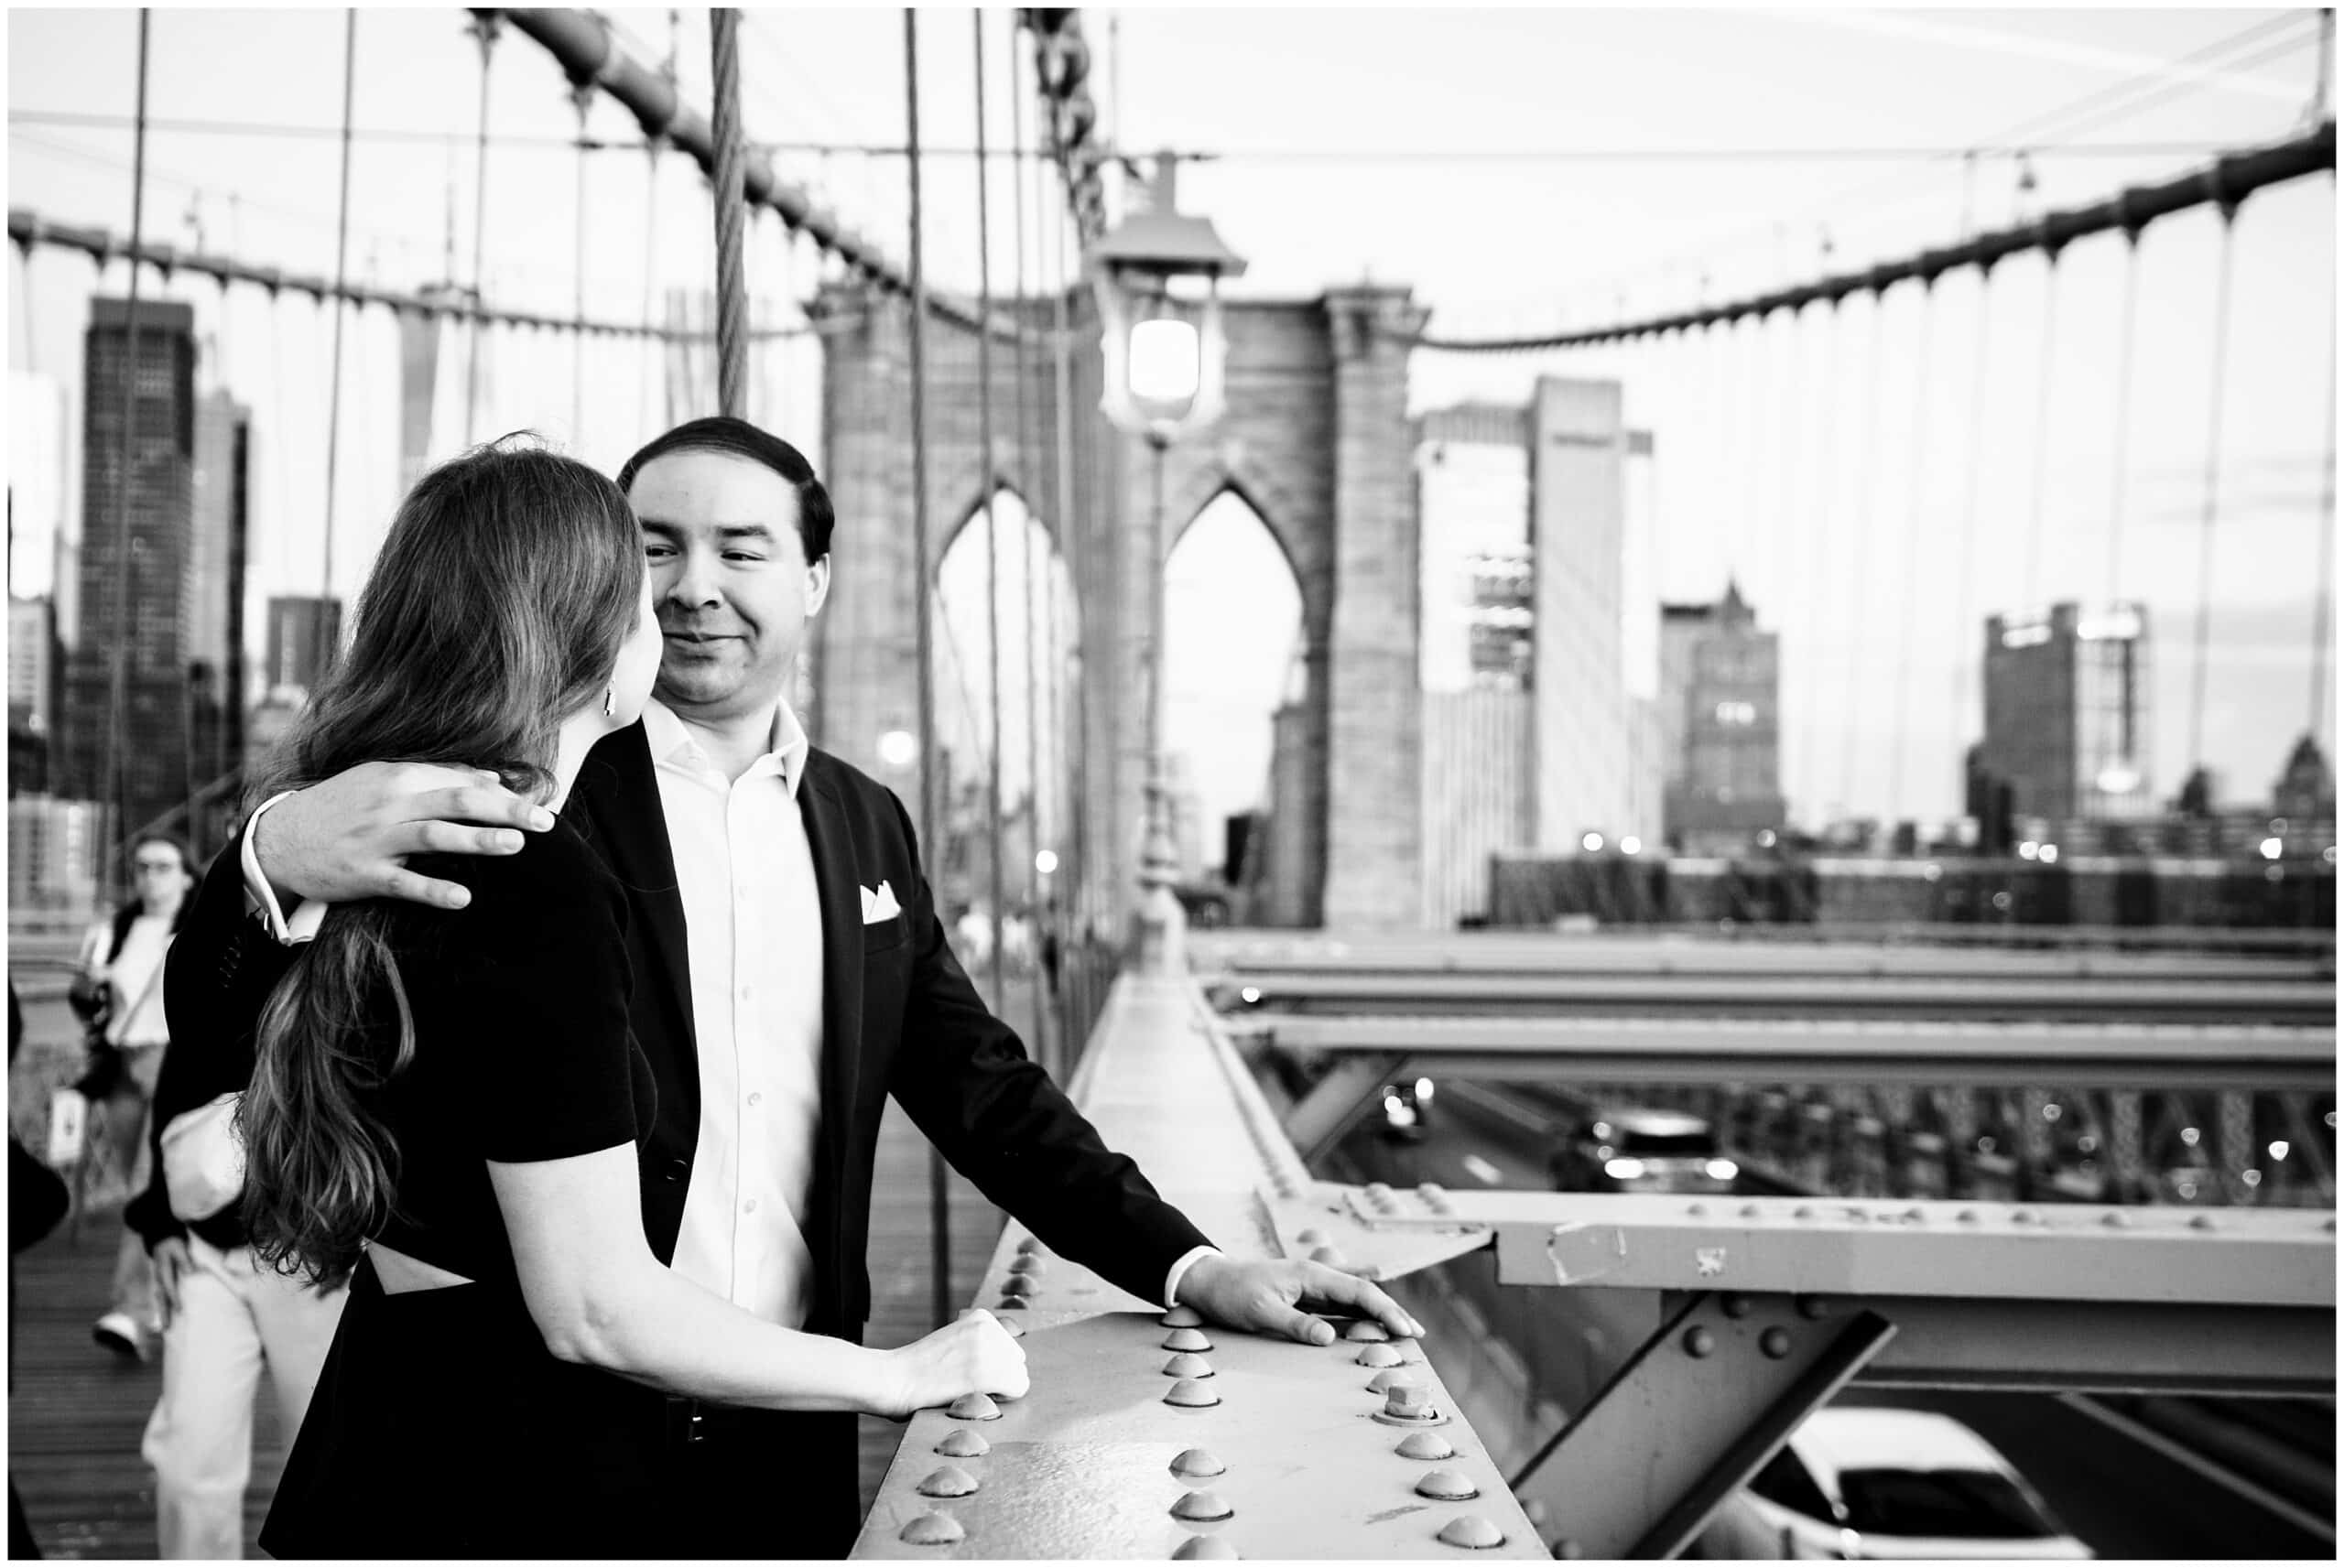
(522, 1050)
(442, 1426)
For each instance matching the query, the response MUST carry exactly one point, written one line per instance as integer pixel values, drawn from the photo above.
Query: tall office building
(137, 496)
(1588, 757)
(2067, 712)
(1720, 712)
(216, 567)
(293, 641)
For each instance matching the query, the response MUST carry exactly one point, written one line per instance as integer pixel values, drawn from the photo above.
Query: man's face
(730, 578)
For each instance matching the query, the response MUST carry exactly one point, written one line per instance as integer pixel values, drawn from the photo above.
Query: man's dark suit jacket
(899, 1017)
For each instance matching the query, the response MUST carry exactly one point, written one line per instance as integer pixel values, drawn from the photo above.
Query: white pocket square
(879, 905)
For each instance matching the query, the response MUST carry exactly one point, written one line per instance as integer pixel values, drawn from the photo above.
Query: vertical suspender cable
(724, 128)
(2119, 467)
(1818, 534)
(1076, 550)
(112, 780)
(1962, 612)
(1912, 550)
(940, 1211)
(2043, 427)
(324, 653)
(1025, 488)
(484, 26)
(2199, 643)
(2325, 586)
(582, 93)
(988, 476)
(1867, 476)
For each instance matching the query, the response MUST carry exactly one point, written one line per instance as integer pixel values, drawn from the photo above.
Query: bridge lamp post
(1157, 278)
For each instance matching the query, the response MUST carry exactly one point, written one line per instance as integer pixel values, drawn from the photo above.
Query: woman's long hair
(511, 579)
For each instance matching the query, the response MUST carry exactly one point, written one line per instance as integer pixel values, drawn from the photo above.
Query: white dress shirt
(753, 922)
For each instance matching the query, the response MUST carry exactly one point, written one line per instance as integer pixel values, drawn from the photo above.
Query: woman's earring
(611, 700)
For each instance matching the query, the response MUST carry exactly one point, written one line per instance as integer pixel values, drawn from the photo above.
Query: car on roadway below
(1901, 1484)
(1404, 1109)
(1638, 1149)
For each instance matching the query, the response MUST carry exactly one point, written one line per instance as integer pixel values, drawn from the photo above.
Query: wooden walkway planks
(76, 1412)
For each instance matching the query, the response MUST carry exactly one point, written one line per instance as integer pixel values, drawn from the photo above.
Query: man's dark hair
(739, 439)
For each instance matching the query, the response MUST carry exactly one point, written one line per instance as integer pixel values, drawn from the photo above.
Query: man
(790, 972)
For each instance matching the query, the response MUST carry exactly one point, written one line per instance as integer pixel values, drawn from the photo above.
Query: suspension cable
(114, 780)
(731, 302)
(1819, 535)
(2230, 179)
(484, 27)
(990, 479)
(940, 1209)
(2045, 375)
(1964, 614)
(2122, 463)
(581, 94)
(1912, 551)
(1077, 550)
(323, 650)
(1867, 481)
(2325, 587)
(1026, 489)
(2199, 638)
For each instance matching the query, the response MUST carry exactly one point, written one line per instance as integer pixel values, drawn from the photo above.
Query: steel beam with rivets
(1148, 1433)
(1704, 1403)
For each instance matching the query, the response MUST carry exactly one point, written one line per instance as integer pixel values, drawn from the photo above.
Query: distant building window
(1737, 713)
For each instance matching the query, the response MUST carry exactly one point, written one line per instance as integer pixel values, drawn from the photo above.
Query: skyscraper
(215, 581)
(2066, 712)
(137, 496)
(293, 641)
(1585, 747)
(1721, 697)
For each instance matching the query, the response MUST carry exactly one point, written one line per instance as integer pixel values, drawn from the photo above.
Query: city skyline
(1770, 466)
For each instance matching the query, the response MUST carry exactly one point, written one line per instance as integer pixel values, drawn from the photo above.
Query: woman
(121, 983)
(455, 1094)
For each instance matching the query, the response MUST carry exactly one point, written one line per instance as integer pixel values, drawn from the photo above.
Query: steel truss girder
(2081, 1252)
(2017, 998)
(1709, 1051)
(2131, 1347)
(1694, 1413)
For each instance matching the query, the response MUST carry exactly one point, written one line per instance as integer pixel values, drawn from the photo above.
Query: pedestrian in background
(119, 995)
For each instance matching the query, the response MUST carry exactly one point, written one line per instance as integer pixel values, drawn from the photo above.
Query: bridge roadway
(2127, 1491)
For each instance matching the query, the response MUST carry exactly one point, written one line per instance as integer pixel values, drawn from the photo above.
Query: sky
(1873, 477)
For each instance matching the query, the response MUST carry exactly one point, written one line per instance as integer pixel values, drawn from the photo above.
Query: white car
(1863, 1483)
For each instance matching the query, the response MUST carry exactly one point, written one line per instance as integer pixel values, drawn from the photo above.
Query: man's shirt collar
(672, 741)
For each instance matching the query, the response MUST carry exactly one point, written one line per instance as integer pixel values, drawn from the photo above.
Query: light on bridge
(898, 748)
(1423, 1088)
(2273, 848)
(2189, 1136)
(1722, 1170)
(2252, 1177)
(1592, 842)
(1624, 1170)
(2048, 854)
(1631, 845)
(2278, 1151)
(1046, 862)
(2028, 848)
(2051, 1113)
(1165, 367)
